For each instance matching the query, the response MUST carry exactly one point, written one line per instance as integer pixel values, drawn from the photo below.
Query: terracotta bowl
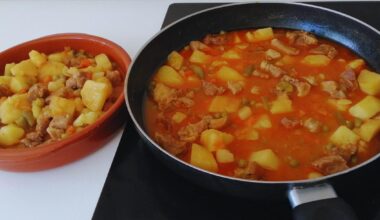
(91, 137)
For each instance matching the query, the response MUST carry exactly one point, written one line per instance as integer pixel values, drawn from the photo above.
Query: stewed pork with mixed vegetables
(266, 104)
(49, 97)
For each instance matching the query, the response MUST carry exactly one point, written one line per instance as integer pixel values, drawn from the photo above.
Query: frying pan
(310, 199)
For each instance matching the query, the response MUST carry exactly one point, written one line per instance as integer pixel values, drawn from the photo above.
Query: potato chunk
(231, 54)
(13, 107)
(213, 139)
(366, 108)
(369, 129)
(224, 104)
(244, 113)
(175, 60)
(52, 69)
(7, 69)
(24, 68)
(37, 58)
(10, 135)
(178, 117)
(343, 136)
(263, 122)
(5, 80)
(266, 158)
(224, 156)
(340, 104)
(169, 76)
(20, 84)
(199, 57)
(356, 64)
(94, 95)
(316, 60)
(203, 158)
(260, 35)
(281, 105)
(102, 62)
(226, 74)
(369, 82)
(86, 118)
(61, 106)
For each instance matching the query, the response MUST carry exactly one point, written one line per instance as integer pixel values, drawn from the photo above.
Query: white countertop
(71, 191)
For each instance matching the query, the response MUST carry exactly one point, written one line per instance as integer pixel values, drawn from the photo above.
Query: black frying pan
(311, 199)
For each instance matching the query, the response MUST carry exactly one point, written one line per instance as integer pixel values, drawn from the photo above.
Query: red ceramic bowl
(91, 137)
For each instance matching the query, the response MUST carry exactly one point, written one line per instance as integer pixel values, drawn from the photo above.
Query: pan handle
(318, 202)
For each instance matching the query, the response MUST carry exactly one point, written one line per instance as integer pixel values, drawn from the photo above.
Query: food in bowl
(265, 104)
(49, 97)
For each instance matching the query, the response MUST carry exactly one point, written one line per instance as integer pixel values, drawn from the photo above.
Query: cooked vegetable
(213, 139)
(263, 122)
(224, 104)
(369, 82)
(203, 158)
(10, 135)
(228, 74)
(267, 159)
(344, 136)
(224, 156)
(260, 35)
(369, 129)
(199, 57)
(175, 60)
(316, 60)
(281, 105)
(94, 94)
(169, 76)
(366, 108)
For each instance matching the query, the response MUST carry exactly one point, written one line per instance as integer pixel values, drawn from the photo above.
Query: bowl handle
(318, 202)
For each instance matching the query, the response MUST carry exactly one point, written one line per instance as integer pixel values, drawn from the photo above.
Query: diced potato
(224, 156)
(247, 133)
(237, 39)
(102, 62)
(52, 69)
(78, 104)
(175, 60)
(224, 104)
(263, 122)
(340, 104)
(61, 106)
(55, 85)
(226, 73)
(267, 159)
(316, 60)
(10, 135)
(314, 175)
(231, 54)
(369, 129)
(86, 118)
(178, 117)
(203, 158)
(97, 75)
(108, 83)
(37, 105)
(7, 69)
(213, 139)
(24, 68)
(286, 60)
(26, 121)
(356, 64)
(369, 82)
(19, 84)
(94, 95)
(61, 56)
(244, 113)
(199, 57)
(260, 35)
(5, 80)
(169, 76)
(281, 105)
(13, 107)
(344, 136)
(37, 58)
(366, 108)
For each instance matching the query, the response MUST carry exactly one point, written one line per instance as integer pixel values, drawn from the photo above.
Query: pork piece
(191, 132)
(325, 49)
(303, 88)
(33, 139)
(217, 123)
(330, 164)
(114, 76)
(284, 48)
(272, 69)
(271, 54)
(211, 89)
(167, 97)
(290, 123)
(235, 87)
(260, 74)
(346, 151)
(332, 88)
(76, 81)
(215, 39)
(37, 91)
(5, 91)
(312, 125)
(43, 123)
(301, 38)
(248, 172)
(347, 81)
(58, 126)
(64, 92)
(170, 144)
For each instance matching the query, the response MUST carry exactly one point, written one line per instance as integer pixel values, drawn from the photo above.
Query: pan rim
(230, 178)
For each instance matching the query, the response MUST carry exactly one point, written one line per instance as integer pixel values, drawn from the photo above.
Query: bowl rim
(22, 154)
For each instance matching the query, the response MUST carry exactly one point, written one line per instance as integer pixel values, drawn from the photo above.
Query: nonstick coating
(359, 37)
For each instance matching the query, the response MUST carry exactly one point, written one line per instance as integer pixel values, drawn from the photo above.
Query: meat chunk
(114, 76)
(170, 144)
(247, 172)
(303, 88)
(301, 38)
(312, 125)
(271, 54)
(37, 91)
(43, 123)
(217, 123)
(332, 88)
(5, 91)
(345, 151)
(347, 81)
(330, 164)
(325, 49)
(272, 69)
(76, 81)
(33, 139)
(284, 48)
(211, 89)
(235, 87)
(167, 97)
(290, 123)
(215, 39)
(192, 131)
(58, 126)
(64, 92)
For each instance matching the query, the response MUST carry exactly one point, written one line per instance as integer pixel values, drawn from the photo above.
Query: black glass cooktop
(138, 186)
